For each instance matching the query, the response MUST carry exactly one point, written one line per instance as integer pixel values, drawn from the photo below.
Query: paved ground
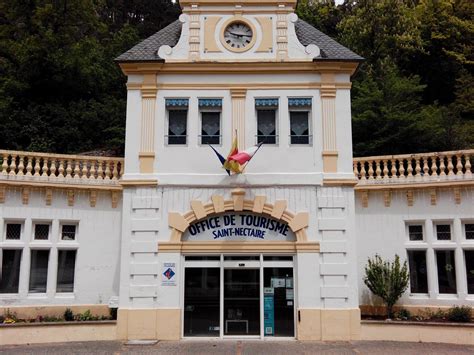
(241, 348)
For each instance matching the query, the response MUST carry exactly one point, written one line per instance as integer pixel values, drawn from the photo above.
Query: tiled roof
(147, 50)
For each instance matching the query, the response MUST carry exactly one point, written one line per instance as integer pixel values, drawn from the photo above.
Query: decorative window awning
(210, 102)
(299, 102)
(177, 103)
(263, 103)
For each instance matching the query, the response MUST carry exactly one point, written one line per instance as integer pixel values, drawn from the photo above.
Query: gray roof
(147, 50)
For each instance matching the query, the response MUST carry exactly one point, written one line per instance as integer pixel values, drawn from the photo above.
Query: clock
(238, 36)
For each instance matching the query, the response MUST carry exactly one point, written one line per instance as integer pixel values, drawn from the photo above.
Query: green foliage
(403, 314)
(460, 314)
(388, 280)
(68, 315)
(86, 316)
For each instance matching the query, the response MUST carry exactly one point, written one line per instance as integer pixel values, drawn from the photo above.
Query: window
(415, 232)
(418, 271)
(66, 266)
(300, 109)
(13, 231)
(469, 231)
(41, 232)
(39, 271)
(266, 120)
(469, 259)
(177, 121)
(443, 232)
(446, 271)
(68, 232)
(10, 272)
(210, 120)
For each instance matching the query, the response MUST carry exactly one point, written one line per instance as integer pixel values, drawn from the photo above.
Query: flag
(230, 164)
(221, 158)
(244, 156)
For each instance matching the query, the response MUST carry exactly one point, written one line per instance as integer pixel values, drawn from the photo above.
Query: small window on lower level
(41, 231)
(210, 127)
(443, 231)
(13, 231)
(266, 126)
(68, 232)
(446, 271)
(469, 258)
(418, 271)
(66, 270)
(415, 232)
(10, 272)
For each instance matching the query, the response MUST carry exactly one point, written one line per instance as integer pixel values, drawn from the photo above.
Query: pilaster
(238, 115)
(147, 136)
(328, 107)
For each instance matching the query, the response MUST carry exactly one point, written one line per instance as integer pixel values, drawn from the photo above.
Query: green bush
(403, 314)
(461, 314)
(388, 280)
(68, 315)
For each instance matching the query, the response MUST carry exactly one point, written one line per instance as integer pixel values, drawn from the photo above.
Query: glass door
(241, 301)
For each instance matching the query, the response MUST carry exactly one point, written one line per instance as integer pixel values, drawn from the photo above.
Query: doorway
(239, 296)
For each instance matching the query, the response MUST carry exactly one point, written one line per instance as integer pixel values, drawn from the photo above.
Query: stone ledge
(49, 324)
(410, 322)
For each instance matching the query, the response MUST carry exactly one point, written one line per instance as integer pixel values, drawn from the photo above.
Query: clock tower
(267, 252)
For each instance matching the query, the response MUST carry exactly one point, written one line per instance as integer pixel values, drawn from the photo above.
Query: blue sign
(269, 311)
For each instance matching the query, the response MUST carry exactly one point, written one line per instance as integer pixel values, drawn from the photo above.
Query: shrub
(388, 280)
(68, 315)
(461, 314)
(403, 314)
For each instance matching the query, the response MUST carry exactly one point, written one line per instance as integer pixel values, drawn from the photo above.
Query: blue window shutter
(262, 103)
(210, 102)
(299, 102)
(177, 102)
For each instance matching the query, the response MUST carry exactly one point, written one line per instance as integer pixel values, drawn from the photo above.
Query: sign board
(168, 274)
(239, 226)
(269, 311)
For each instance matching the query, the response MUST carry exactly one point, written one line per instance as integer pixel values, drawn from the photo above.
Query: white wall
(97, 244)
(383, 230)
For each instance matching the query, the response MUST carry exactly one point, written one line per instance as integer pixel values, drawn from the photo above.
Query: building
(182, 248)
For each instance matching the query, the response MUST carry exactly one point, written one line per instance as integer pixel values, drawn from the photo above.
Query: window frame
(423, 231)
(21, 222)
(22, 256)
(437, 223)
(309, 111)
(200, 136)
(35, 223)
(425, 250)
(167, 125)
(276, 109)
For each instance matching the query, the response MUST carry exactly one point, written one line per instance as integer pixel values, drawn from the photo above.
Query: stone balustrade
(415, 168)
(73, 169)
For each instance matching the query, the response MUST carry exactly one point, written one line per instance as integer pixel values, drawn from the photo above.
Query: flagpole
(247, 163)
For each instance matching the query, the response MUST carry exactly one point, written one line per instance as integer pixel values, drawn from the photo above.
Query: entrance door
(241, 302)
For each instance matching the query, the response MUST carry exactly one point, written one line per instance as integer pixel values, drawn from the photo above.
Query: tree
(388, 280)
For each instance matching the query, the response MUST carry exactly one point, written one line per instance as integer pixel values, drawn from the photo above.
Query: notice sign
(168, 274)
(239, 226)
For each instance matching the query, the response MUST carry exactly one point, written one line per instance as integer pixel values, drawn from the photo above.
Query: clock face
(238, 35)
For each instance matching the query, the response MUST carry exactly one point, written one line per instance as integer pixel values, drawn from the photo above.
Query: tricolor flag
(237, 161)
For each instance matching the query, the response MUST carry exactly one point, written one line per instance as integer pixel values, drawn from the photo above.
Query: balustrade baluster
(69, 169)
(100, 171)
(29, 166)
(44, 170)
(13, 166)
(52, 169)
(371, 170)
(115, 171)
(107, 170)
(61, 169)
(393, 170)
(37, 166)
(92, 170)
(450, 165)
(84, 169)
(409, 168)
(378, 171)
(77, 169)
(21, 166)
(5, 164)
(426, 168)
(442, 166)
(459, 165)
